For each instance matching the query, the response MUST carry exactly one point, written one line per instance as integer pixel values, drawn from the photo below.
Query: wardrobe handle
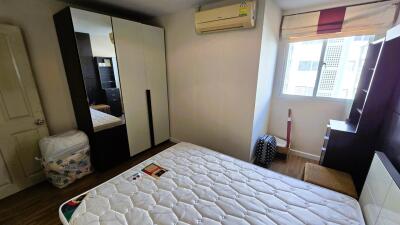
(150, 114)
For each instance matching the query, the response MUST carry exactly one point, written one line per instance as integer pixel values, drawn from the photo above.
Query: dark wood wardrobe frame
(108, 147)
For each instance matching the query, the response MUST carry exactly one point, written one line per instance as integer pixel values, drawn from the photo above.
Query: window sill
(313, 98)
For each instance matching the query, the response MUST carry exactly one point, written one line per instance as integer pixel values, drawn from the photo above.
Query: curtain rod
(366, 3)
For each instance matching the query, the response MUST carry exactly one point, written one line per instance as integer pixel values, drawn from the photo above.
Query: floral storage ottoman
(65, 157)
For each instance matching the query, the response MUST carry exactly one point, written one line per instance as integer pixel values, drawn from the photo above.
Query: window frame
(285, 54)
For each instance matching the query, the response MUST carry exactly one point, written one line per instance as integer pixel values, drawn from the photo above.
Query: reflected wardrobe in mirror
(94, 40)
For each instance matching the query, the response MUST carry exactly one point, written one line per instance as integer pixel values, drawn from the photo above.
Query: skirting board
(174, 140)
(304, 154)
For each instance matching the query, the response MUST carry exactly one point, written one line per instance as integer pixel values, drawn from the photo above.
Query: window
(325, 68)
(308, 65)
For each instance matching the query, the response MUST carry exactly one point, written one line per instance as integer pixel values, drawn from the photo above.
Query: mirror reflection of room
(95, 41)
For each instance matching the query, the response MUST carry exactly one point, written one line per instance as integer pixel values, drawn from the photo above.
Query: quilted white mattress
(102, 121)
(206, 187)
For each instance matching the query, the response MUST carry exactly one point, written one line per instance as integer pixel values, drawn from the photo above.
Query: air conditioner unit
(236, 16)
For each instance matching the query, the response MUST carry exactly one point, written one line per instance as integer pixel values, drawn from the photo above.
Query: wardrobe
(116, 73)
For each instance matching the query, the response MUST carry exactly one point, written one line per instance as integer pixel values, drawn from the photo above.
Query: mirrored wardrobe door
(95, 43)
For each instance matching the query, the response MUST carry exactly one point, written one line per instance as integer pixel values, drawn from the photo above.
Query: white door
(21, 116)
(129, 48)
(154, 54)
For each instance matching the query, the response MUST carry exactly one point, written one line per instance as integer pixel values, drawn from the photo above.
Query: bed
(202, 186)
(102, 121)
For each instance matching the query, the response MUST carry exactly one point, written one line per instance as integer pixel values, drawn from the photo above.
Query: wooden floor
(293, 166)
(39, 204)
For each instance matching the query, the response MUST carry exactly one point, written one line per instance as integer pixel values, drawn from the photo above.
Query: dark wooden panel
(389, 141)
(385, 79)
(92, 82)
(390, 138)
(348, 152)
(110, 147)
(364, 82)
(112, 10)
(114, 101)
(149, 110)
(85, 54)
(105, 73)
(72, 65)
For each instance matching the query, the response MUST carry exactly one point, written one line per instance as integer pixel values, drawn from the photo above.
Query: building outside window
(325, 68)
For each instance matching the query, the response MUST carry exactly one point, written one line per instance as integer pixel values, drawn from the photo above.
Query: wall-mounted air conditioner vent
(230, 17)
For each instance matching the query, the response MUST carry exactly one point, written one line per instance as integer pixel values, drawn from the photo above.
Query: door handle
(40, 122)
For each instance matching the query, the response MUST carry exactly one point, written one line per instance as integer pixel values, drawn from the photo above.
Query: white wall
(310, 115)
(35, 18)
(310, 118)
(99, 28)
(102, 46)
(212, 82)
(266, 71)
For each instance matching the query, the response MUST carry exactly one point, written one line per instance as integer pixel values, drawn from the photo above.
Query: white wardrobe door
(130, 57)
(154, 52)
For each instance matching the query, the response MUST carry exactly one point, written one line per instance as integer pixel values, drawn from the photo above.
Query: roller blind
(368, 19)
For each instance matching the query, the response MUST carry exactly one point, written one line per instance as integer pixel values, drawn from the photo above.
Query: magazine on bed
(154, 170)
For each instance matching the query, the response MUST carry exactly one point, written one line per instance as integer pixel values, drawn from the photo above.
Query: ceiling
(164, 7)
(146, 7)
(293, 5)
(296, 4)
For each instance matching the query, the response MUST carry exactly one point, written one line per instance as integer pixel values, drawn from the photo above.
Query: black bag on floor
(265, 150)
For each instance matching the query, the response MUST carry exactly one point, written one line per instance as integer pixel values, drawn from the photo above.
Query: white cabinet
(155, 68)
(380, 196)
(141, 60)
